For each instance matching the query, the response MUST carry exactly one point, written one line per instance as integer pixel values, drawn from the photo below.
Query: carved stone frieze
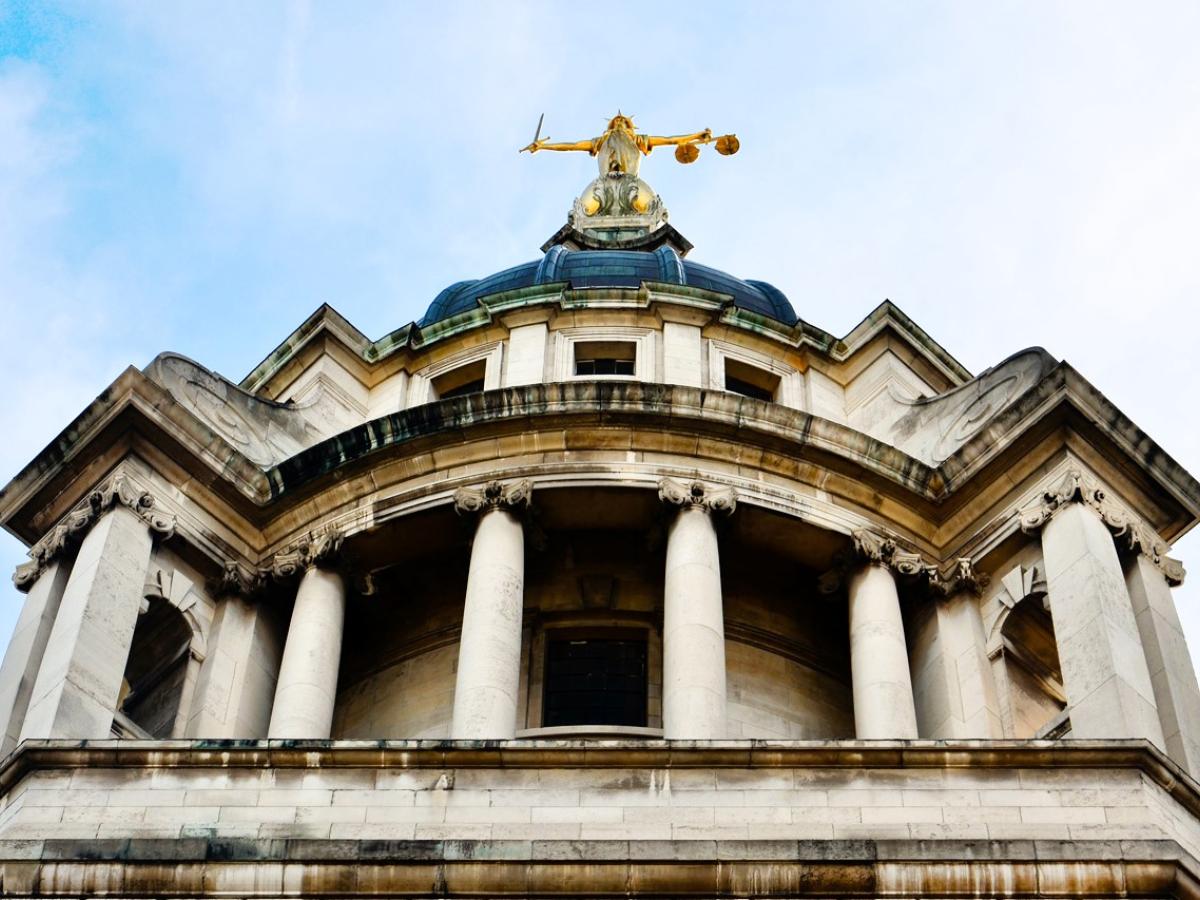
(1130, 533)
(494, 495)
(318, 549)
(697, 494)
(117, 490)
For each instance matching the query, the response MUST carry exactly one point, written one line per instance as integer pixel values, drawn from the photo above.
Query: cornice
(1131, 533)
(117, 490)
(135, 405)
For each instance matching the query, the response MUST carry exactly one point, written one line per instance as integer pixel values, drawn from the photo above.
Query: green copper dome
(612, 268)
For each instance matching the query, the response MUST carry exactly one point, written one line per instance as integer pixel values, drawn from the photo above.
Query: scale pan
(728, 144)
(687, 153)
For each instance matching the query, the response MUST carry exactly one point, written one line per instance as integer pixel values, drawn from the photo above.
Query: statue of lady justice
(618, 190)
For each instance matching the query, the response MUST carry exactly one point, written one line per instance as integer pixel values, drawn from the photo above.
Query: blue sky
(200, 177)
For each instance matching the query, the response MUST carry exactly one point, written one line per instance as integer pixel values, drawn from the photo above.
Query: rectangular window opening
(605, 358)
(595, 681)
(750, 381)
(466, 379)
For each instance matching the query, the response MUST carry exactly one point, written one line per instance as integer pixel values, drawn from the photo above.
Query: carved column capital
(870, 548)
(239, 581)
(494, 495)
(697, 494)
(320, 548)
(962, 577)
(1131, 534)
(875, 549)
(118, 490)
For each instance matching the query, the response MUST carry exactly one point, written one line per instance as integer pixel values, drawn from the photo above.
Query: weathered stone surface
(79, 680)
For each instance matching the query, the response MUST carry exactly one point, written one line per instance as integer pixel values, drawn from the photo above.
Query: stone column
(79, 681)
(693, 613)
(1107, 681)
(489, 650)
(953, 685)
(236, 686)
(307, 687)
(45, 585)
(1148, 577)
(879, 670)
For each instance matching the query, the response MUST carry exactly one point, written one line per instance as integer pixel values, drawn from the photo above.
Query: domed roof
(612, 268)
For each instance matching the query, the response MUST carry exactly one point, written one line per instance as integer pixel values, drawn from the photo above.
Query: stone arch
(156, 672)
(1024, 653)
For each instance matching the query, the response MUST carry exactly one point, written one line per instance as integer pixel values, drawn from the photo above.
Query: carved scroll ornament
(317, 549)
(875, 549)
(119, 490)
(493, 495)
(238, 580)
(1130, 533)
(697, 494)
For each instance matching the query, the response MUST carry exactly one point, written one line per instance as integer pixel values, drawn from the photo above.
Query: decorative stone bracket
(1130, 533)
(118, 490)
(697, 494)
(493, 495)
(869, 547)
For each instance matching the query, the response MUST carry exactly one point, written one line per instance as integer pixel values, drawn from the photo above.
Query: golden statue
(620, 148)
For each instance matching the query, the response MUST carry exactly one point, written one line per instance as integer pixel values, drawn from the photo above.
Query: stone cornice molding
(118, 490)
(1131, 534)
(697, 494)
(513, 496)
(321, 548)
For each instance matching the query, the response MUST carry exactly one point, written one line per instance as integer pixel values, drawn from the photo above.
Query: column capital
(1131, 533)
(871, 548)
(697, 494)
(494, 495)
(118, 490)
(238, 580)
(320, 548)
(875, 549)
(961, 578)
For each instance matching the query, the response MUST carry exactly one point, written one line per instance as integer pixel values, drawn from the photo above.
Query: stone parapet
(689, 792)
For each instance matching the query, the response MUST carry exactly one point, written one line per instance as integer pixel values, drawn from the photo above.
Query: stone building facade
(609, 576)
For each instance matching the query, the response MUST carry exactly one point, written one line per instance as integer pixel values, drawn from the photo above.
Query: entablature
(626, 433)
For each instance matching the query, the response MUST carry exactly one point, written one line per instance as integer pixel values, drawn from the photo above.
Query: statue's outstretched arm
(586, 146)
(700, 137)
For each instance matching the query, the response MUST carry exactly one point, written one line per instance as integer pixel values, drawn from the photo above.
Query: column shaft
(1171, 673)
(953, 686)
(26, 649)
(1108, 685)
(307, 686)
(236, 685)
(79, 681)
(693, 629)
(489, 655)
(883, 695)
